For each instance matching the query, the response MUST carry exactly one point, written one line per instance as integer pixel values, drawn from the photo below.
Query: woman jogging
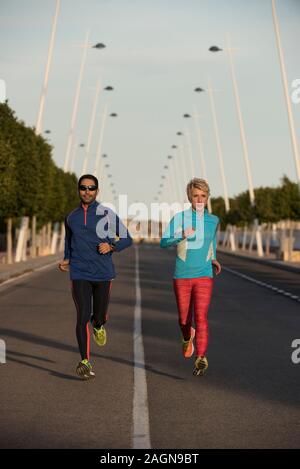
(193, 231)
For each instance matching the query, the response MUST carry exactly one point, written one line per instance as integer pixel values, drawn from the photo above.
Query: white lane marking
(263, 284)
(20, 277)
(141, 431)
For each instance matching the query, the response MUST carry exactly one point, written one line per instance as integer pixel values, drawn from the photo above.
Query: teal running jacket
(196, 252)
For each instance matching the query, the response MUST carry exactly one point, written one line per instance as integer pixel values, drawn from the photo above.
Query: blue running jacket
(86, 227)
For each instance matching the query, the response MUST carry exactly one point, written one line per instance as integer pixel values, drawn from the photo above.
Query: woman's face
(198, 196)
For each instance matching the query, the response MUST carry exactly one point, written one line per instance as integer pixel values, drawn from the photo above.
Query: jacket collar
(93, 204)
(194, 211)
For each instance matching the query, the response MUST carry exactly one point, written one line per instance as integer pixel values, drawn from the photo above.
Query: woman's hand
(104, 248)
(188, 232)
(64, 265)
(217, 266)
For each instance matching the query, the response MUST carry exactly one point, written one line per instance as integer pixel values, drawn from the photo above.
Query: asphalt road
(249, 397)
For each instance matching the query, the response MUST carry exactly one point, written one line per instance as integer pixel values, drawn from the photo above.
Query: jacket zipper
(85, 209)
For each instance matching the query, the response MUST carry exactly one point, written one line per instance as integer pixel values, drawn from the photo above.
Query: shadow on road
(34, 339)
(53, 373)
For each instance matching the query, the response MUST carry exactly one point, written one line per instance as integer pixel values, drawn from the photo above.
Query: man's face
(87, 196)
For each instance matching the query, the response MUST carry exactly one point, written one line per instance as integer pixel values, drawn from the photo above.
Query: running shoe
(188, 346)
(84, 369)
(201, 365)
(100, 336)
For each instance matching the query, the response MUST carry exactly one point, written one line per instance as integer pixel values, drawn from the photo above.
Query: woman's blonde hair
(197, 183)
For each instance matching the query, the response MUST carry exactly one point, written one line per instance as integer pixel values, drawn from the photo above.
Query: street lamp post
(241, 123)
(174, 177)
(168, 185)
(218, 143)
(39, 123)
(100, 141)
(105, 180)
(107, 88)
(73, 154)
(103, 123)
(91, 128)
(221, 163)
(177, 176)
(286, 94)
(183, 167)
(181, 162)
(200, 145)
(163, 187)
(256, 230)
(196, 116)
(176, 167)
(76, 98)
(101, 174)
(201, 152)
(189, 144)
(75, 104)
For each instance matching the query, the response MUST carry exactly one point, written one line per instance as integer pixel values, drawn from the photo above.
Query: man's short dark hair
(88, 176)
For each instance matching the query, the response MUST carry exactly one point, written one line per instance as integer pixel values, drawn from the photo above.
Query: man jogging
(93, 233)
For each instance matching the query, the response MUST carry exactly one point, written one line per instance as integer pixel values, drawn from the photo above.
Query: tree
(289, 199)
(8, 193)
(31, 183)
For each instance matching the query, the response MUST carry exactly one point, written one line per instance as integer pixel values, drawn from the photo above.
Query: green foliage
(289, 198)
(218, 208)
(31, 183)
(8, 193)
(271, 205)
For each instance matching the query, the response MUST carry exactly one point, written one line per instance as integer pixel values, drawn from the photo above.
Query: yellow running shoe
(84, 369)
(100, 336)
(201, 365)
(188, 346)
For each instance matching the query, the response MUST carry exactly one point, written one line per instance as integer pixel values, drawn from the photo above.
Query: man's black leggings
(89, 297)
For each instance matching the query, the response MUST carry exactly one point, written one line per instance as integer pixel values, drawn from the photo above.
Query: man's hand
(64, 265)
(104, 248)
(217, 266)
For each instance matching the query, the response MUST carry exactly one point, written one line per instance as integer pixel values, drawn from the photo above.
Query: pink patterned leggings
(193, 295)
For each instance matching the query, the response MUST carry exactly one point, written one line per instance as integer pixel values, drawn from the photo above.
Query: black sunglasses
(85, 188)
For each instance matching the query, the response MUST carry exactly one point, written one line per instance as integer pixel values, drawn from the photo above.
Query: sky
(156, 55)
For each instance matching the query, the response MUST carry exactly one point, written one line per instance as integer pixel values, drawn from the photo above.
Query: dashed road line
(264, 284)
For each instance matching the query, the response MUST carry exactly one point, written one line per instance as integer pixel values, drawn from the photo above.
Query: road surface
(249, 397)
